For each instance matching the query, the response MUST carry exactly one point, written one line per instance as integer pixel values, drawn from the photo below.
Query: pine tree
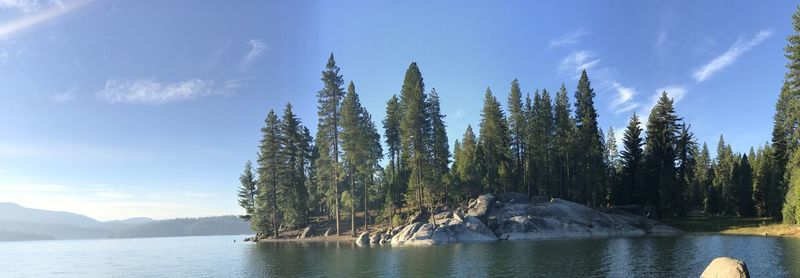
(414, 131)
(545, 140)
(328, 141)
(248, 191)
(786, 134)
(268, 167)
(682, 189)
(494, 139)
(612, 161)
(440, 147)
(743, 175)
(703, 177)
(631, 191)
(469, 168)
(589, 141)
(723, 177)
(660, 156)
(517, 124)
(292, 157)
(761, 180)
(565, 139)
(391, 126)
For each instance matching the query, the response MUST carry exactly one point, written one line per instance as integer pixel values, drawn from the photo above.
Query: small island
(538, 168)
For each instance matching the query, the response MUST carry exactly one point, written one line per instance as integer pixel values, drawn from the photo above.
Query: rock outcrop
(363, 239)
(563, 219)
(514, 216)
(725, 267)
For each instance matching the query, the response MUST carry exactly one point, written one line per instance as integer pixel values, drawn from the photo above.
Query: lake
(220, 256)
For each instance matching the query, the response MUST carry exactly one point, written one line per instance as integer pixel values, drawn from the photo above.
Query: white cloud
(623, 101)
(151, 91)
(36, 16)
(729, 57)
(569, 38)
(257, 48)
(577, 62)
(674, 92)
(63, 96)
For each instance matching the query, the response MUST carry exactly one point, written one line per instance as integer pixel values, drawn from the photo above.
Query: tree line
(543, 144)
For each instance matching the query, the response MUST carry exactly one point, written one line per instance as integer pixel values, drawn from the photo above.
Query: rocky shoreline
(514, 216)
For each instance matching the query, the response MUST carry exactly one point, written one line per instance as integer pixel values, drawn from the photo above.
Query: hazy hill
(21, 223)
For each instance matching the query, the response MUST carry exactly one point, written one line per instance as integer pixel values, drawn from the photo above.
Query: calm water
(219, 256)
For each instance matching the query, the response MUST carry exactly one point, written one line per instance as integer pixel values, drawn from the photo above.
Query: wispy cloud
(569, 38)
(577, 62)
(623, 100)
(36, 15)
(729, 57)
(257, 48)
(151, 91)
(63, 96)
(675, 92)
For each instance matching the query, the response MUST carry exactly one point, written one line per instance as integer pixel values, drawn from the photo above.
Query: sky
(119, 109)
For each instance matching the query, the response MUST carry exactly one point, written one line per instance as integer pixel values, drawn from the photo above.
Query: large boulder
(563, 219)
(363, 239)
(725, 267)
(481, 206)
(376, 238)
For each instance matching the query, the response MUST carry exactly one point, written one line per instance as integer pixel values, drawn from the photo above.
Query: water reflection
(613, 257)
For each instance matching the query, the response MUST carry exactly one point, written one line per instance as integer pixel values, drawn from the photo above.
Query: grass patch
(735, 225)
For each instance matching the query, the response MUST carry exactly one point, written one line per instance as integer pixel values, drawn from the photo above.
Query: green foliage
(518, 122)
(590, 168)
(415, 131)
(327, 140)
(495, 142)
(248, 191)
(660, 156)
(630, 187)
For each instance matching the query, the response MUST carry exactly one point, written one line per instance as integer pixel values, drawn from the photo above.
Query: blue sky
(117, 109)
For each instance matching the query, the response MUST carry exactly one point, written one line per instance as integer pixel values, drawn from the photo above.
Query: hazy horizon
(116, 109)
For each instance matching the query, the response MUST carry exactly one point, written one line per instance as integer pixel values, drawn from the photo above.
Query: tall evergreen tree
(414, 131)
(589, 141)
(440, 147)
(786, 133)
(723, 177)
(703, 177)
(292, 156)
(743, 176)
(468, 164)
(248, 191)
(761, 180)
(518, 129)
(660, 157)
(328, 141)
(565, 140)
(544, 150)
(682, 189)
(494, 139)
(391, 126)
(614, 164)
(268, 171)
(631, 191)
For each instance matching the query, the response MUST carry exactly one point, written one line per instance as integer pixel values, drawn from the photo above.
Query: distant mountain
(204, 226)
(16, 213)
(21, 223)
(133, 221)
